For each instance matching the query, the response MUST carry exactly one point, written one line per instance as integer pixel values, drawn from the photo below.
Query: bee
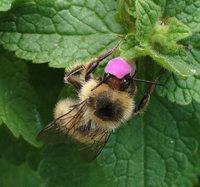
(103, 104)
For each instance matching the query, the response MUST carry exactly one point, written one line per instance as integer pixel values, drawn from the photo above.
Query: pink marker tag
(119, 68)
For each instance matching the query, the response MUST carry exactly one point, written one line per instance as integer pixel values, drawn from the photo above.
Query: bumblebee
(102, 105)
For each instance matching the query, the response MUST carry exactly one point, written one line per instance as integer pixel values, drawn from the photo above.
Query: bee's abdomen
(108, 109)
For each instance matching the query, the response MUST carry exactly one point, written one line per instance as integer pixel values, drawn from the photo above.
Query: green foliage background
(157, 148)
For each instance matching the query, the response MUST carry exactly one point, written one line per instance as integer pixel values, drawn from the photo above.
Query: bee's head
(116, 83)
(118, 74)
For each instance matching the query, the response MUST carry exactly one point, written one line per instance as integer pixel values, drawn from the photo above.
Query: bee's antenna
(149, 82)
(107, 76)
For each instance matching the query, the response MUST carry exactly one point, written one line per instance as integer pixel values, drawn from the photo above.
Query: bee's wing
(90, 144)
(91, 151)
(51, 134)
(54, 133)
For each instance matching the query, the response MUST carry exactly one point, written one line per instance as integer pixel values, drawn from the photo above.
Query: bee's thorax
(106, 108)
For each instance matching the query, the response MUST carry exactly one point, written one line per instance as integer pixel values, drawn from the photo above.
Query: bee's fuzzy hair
(124, 100)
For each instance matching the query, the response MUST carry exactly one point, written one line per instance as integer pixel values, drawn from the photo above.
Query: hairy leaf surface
(61, 32)
(18, 100)
(5, 5)
(23, 176)
(155, 149)
(179, 90)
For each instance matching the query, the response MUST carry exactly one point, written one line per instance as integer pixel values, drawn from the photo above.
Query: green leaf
(192, 44)
(62, 32)
(150, 150)
(69, 170)
(178, 90)
(125, 14)
(188, 179)
(183, 91)
(23, 176)
(12, 149)
(5, 5)
(127, 47)
(194, 57)
(173, 62)
(18, 100)
(168, 34)
(147, 16)
(163, 48)
(177, 30)
(16, 150)
(186, 11)
(129, 6)
(160, 3)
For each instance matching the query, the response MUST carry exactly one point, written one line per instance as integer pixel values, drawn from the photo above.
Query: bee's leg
(74, 83)
(133, 89)
(146, 98)
(95, 62)
(144, 101)
(68, 77)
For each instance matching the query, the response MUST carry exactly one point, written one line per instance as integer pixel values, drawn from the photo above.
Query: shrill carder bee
(102, 105)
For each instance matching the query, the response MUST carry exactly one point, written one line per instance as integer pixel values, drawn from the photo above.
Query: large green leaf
(168, 34)
(16, 150)
(158, 40)
(192, 44)
(125, 14)
(155, 149)
(189, 176)
(147, 16)
(186, 11)
(174, 62)
(63, 32)
(18, 176)
(18, 100)
(161, 3)
(179, 90)
(5, 5)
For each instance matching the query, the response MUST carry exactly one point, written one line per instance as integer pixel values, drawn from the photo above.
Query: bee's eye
(125, 82)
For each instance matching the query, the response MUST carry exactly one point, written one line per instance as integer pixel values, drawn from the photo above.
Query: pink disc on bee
(119, 68)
